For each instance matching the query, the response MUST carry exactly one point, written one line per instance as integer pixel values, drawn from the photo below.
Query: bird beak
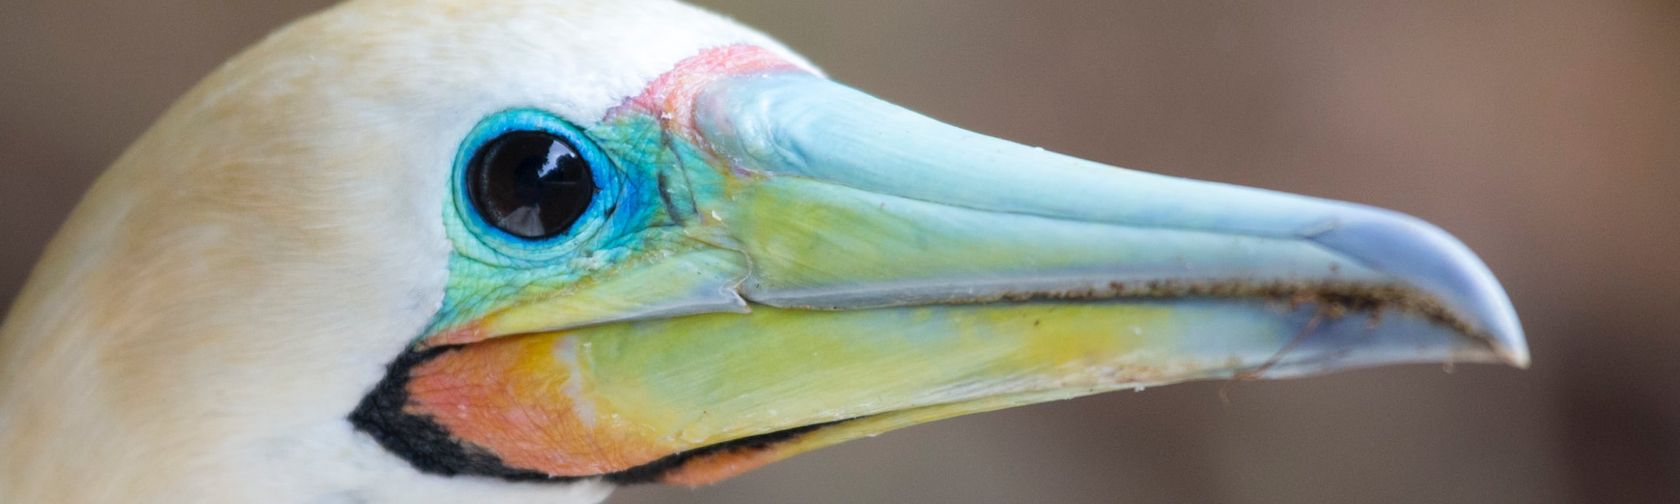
(896, 270)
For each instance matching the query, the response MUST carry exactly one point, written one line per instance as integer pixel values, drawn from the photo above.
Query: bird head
(525, 247)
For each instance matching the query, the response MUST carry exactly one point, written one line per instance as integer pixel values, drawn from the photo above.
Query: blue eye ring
(521, 249)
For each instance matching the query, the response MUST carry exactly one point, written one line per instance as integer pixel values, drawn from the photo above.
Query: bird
(532, 250)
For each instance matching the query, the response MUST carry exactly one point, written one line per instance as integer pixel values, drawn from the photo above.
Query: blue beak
(982, 219)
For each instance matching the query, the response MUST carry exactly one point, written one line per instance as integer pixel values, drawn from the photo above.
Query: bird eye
(531, 184)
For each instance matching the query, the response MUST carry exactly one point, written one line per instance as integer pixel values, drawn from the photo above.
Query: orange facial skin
(514, 399)
(519, 403)
(717, 467)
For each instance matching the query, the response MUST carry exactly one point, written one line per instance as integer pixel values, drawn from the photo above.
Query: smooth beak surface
(898, 270)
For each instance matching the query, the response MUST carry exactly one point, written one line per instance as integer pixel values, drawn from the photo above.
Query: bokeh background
(1545, 133)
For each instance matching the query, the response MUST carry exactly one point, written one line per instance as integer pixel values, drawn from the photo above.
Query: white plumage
(200, 326)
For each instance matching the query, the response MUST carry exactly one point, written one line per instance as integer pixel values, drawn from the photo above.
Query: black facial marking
(430, 448)
(417, 438)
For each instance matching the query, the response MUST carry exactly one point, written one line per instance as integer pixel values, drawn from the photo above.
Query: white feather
(234, 284)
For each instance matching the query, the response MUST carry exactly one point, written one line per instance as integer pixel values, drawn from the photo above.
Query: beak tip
(1423, 256)
(1506, 335)
(1499, 318)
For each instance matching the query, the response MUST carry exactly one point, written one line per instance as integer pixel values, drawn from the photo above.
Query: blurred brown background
(1545, 133)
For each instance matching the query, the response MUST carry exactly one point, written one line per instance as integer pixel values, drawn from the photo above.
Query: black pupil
(530, 184)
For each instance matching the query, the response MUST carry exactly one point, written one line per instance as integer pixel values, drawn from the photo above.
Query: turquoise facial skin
(643, 249)
(489, 268)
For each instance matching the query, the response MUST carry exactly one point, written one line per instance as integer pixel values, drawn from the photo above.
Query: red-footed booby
(493, 251)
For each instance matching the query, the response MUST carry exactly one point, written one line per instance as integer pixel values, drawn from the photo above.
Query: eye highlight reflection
(530, 184)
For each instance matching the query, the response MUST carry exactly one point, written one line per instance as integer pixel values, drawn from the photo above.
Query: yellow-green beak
(848, 267)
